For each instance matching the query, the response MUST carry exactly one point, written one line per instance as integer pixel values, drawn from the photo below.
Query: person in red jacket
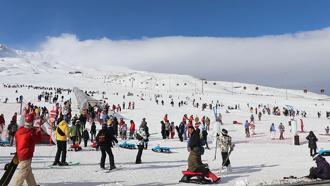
(26, 139)
(131, 129)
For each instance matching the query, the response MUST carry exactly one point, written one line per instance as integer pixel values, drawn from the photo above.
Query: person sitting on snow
(322, 169)
(195, 160)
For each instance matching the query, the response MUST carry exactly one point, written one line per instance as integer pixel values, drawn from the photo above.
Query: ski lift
(185, 84)
(244, 87)
(214, 83)
(257, 88)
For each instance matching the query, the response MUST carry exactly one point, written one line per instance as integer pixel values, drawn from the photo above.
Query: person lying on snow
(322, 169)
(195, 160)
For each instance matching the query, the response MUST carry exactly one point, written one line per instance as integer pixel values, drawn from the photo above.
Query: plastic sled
(75, 147)
(126, 145)
(324, 152)
(161, 149)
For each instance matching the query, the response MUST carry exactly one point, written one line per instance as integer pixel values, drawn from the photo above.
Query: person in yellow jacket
(62, 133)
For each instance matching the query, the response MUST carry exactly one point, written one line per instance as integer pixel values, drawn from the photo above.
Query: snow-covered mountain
(7, 52)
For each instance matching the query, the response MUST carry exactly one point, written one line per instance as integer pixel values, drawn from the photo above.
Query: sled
(126, 145)
(324, 152)
(161, 149)
(197, 177)
(4, 143)
(75, 147)
(9, 170)
(237, 122)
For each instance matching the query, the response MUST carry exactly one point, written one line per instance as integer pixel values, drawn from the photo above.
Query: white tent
(83, 99)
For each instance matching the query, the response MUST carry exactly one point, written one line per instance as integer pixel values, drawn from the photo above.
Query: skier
(85, 136)
(105, 139)
(141, 137)
(322, 169)
(93, 131)
(259, 115)
(62, 134)
(225, 147)
(26, 139)
(312, 139)
(272, 131)
(281, 128)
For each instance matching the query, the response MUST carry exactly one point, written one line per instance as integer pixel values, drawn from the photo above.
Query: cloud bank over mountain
(299, 60)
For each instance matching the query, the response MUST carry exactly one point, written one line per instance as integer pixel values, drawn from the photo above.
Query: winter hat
(224, 131)
(29, 118)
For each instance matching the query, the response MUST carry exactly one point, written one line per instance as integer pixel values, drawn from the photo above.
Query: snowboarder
(312, 139)
(225, 147)
(105, 139)
(62, 134)
(26, 139)
(322, 169)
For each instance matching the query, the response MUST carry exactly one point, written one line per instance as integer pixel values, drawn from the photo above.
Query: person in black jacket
(105, 139)
(163, 129)
(85, 136)
(312, 143)
(93, 131)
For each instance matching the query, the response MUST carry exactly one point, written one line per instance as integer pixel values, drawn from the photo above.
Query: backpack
(102, 138)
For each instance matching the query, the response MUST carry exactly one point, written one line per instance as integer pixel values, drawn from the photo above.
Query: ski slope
(256, 160)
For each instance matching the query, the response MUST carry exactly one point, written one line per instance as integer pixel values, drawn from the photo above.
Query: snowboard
(9, 171)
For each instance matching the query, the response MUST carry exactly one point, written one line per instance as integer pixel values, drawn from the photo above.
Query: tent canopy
(83, 99)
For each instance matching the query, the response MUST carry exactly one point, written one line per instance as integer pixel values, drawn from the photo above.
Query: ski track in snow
(256, 160)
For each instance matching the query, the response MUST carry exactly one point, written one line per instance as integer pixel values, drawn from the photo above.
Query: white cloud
(290, 60)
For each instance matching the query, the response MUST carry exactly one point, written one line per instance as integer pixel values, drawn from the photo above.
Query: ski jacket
(64, 128)
(85, 135)
(12, 128)
(132, 127)
(323, 168)
(108, 134)
(225, 143)
(26, 139)
(141, 137)
(312, 141)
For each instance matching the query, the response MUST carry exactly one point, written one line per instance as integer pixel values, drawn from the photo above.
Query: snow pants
(61, 149)
(224, 158)
(106, 150)
(139, 154)
(25, 173)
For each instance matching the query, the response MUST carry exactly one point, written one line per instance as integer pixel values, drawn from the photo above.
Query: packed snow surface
(255, 160)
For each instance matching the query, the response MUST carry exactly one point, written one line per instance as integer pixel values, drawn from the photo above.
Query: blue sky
(26, 23)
